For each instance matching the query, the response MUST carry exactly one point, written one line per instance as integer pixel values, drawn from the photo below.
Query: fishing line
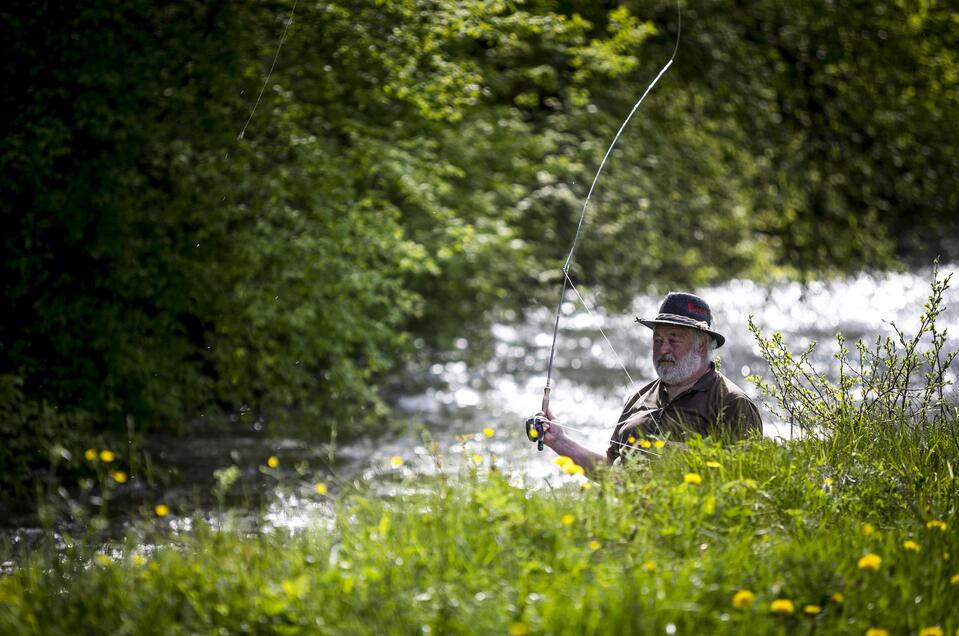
(612, 441)
(289, 22)
(582, 217)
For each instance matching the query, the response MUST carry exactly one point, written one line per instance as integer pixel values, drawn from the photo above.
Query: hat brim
(719, 339)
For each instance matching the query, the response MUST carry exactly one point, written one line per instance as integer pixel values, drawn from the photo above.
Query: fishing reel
(535, 431)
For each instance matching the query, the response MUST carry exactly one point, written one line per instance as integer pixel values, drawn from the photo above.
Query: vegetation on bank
(848, 529)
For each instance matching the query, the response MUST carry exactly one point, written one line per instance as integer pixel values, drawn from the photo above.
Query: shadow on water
(459, 402)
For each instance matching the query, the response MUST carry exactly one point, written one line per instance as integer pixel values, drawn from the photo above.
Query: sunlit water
(589, 387)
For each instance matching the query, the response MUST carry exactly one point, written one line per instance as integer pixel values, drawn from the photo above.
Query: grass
(641, 550)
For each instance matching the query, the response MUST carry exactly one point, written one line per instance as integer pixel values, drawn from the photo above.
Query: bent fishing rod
(534, 425)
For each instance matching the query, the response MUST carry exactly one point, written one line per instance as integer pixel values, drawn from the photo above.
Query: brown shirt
(712, 406)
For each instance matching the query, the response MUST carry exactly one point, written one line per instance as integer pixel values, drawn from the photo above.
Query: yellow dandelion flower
(945, 556)
(631, 440)
(90, 454)
(659, 443)
(272, 461)
(838, 598)
(488, 432)
(103, 560)
(594, 545)
(574, 469)
(812, 609)
(320, 489)
(107, 456)
(396, 461)
(935, 630)
(935, 524)
(120, 477)
(646, 444)
(743, 598)
(518, 629)
(712, 463)
(877, 631)
(870, 562)
(138, 560)
(562, 460)
(868, 529)
(649, 566)
(568, 519)
(911, 545)
(477, 459)
(782, 606)
(161, 510)
(827, 481)
(955, 579)
(692, 478)
(586, 485)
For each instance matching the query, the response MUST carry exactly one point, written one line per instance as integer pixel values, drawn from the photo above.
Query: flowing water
(589, 387)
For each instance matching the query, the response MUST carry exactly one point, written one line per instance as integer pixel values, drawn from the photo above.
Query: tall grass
(849, 528)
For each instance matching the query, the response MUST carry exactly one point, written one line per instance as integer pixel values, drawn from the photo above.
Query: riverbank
(832, 536)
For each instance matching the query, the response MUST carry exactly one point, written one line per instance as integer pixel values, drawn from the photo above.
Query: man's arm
(555, 437)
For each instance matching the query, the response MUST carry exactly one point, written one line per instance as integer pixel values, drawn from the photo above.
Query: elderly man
(689, 397)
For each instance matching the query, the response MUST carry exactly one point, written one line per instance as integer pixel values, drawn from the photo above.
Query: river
(447, 420)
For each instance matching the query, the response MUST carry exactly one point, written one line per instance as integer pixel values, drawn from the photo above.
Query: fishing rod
(534, 425)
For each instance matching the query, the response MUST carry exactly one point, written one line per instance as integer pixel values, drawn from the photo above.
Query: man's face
(678, 353)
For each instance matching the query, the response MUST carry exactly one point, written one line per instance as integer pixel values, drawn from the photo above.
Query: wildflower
(827, 481)
(273, 461)
(838, 598)
(649, 566)
(103, 560)
(713, 464)
(161, 510)
(568, 519)
(870, 562)
(782, 606)
(138, 560)
(562, 460)
(955, 579)
(586, 485)
(90, 454)
(574, 469)
(107, 456)
(477, 458)
(692, 478)
(868, 529)
(911, 545)
(876, 631)
(120, 477)
(935, 630)
(659, 443)
(518, 629)
(488, 432)
(935, 524)
(594, 545)
(396, 461)
(812, 609)
(646, 443)
(320, 489)
(631, 440)
(945, 556)
(743, 598)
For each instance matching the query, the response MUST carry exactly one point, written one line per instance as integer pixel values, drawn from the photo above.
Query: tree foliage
(414, 166)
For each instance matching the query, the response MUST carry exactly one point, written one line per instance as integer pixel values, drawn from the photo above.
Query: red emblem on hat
(696, 309)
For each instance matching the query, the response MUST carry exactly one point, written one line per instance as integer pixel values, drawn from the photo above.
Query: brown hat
(685, 310)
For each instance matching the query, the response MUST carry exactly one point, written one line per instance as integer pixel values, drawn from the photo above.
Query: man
(689, 397)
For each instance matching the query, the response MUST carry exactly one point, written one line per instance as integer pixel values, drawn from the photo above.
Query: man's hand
(553, 432)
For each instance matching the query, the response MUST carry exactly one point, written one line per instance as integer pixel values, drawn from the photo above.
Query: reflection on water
(589, 386)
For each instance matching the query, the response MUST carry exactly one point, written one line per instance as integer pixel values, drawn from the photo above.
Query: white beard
(681, 370)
